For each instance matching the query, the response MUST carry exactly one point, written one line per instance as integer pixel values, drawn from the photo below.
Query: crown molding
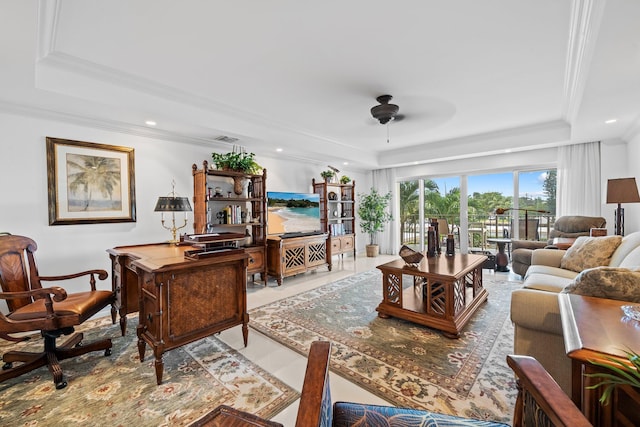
(586, 17)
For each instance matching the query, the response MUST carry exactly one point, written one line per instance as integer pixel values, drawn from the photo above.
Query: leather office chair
(50, 310)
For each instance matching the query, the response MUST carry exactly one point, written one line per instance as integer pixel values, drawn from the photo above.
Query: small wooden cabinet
(217, 207)
(337, 216)
(289, 256)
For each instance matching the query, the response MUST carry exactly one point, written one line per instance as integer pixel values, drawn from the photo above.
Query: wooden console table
(595, 328)
(179, 300)
(289, 256)
(446, 291)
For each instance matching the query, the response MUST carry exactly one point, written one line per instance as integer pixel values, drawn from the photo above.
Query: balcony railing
(483, 227)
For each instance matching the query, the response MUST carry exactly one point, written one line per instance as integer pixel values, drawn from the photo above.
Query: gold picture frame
(90, 183)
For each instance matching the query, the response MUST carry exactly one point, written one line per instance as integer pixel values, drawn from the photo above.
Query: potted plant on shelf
(344, 179)
(327, 175)
(237, 160)
(372, 209)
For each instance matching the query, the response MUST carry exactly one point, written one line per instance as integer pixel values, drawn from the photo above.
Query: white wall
(64, 249)
(631, 210)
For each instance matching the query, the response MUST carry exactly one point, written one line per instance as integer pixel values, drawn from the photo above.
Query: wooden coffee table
(445, 291)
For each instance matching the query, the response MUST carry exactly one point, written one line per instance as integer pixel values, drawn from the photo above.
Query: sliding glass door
(530, 215)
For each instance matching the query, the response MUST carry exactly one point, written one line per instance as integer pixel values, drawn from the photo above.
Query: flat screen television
(293, 212)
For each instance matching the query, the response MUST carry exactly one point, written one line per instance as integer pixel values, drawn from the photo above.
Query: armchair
(565, 226)
(50, 310)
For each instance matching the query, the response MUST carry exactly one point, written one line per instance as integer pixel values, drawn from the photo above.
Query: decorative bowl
(411, 257)
(632, 311)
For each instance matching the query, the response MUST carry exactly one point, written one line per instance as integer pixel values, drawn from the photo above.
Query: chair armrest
(315, 408)
(539, 394)
(102, 275)
(527, 244)
(548, 257)
(59, 294)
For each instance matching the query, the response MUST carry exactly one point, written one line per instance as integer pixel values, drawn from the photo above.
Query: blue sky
(530, 183)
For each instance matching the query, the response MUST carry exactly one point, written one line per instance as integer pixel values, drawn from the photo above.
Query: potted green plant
(237, 160)
(345, 179)
(327, 175)
(618, 373)
(372, 209)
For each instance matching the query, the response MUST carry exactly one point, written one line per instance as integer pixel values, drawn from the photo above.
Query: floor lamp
(622, 190)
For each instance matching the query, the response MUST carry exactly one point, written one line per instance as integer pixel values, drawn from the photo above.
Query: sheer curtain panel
(578, 186)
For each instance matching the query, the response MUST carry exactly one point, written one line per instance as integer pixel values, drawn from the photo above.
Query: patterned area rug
(402, 362)
(118, 390)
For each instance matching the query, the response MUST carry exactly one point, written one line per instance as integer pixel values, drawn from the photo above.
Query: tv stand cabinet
(295, 255)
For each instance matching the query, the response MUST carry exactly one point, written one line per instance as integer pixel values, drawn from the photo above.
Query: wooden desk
(179, 300)
(595, 328)
(449, 291)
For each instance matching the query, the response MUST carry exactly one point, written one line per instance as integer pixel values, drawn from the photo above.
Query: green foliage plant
(618, 373)
(237, 160)
(344, 179)
(372, 209)
(327, 175)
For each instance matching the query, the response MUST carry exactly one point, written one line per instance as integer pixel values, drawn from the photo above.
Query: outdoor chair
(50, 310)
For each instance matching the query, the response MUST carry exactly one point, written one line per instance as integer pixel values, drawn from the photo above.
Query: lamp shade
(173, 204)
(622, 190)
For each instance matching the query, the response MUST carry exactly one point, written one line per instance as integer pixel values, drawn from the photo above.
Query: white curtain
(384, 181)
(578, 185)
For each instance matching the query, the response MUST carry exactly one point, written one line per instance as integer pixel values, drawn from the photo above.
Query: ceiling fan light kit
(384, 112)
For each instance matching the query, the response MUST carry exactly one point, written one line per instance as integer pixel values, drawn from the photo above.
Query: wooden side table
(563, 242)
(596, 328)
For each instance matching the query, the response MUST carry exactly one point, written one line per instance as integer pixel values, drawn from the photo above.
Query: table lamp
(173, 204)
(622, 190)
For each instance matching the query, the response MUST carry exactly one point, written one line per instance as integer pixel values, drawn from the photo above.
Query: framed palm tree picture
(89, 183)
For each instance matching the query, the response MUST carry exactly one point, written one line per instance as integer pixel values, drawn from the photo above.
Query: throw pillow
(607, 282)
(589, 252)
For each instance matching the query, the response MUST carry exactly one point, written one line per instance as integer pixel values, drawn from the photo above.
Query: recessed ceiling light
(345, 163)
(279, 150)
(611, 121)
(150, 123)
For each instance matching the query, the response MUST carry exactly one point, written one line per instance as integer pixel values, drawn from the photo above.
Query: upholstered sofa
(535, 311)
(564, 226)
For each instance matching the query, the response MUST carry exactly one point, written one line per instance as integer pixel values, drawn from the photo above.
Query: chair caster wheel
(107, 352)
(62, 384)
(7, 365)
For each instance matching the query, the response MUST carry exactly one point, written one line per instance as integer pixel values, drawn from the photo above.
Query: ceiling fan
(386, 112)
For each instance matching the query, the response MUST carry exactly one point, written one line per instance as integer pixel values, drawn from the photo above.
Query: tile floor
(286, 364)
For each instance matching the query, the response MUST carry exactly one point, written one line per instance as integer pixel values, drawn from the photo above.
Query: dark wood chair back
(18, 271)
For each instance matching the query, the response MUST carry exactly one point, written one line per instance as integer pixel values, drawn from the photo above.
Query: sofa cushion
(553, 271)
(629, 244)
(589, 252)
(607, 282)
(546, 282)
(632, 260)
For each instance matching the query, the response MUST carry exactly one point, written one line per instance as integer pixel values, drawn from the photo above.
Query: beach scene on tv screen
(293, 212)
